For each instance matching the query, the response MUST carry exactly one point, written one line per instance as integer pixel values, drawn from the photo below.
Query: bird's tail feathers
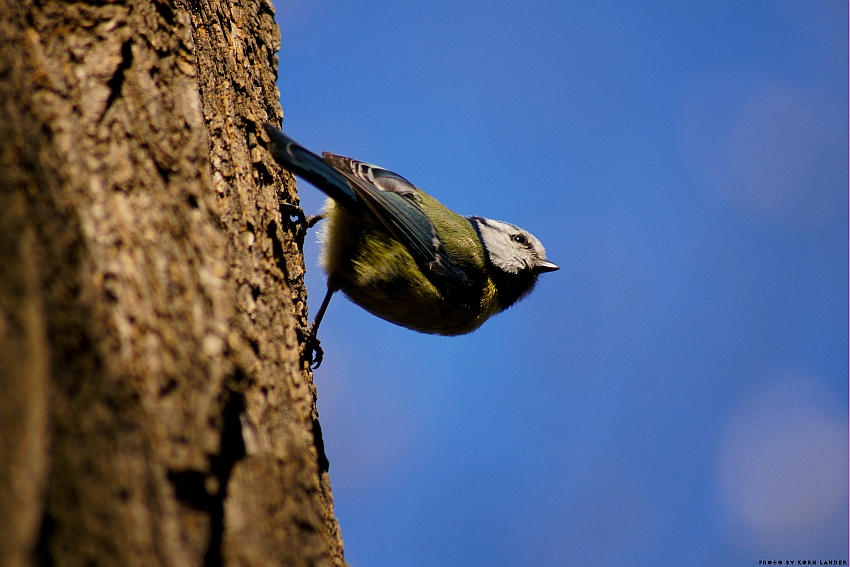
(310, 167)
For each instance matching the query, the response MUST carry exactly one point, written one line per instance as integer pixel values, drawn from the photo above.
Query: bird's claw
(296, 215)
(313, 352)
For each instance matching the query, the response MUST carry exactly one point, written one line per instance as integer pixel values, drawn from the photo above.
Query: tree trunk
(155, 408)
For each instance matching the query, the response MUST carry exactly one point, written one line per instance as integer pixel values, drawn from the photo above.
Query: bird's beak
(546, 266)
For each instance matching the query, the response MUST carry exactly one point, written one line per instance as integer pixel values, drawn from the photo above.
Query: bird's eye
(520, 239)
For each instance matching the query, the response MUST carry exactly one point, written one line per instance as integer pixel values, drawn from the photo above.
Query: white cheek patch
(505, 253)
(510, 248)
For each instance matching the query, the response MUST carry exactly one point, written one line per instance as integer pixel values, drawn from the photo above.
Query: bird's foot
(296, 215)
(313, 352)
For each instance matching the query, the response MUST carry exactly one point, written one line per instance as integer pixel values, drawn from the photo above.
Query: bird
(401, 255)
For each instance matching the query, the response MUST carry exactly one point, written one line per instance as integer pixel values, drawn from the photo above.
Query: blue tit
(401, 255)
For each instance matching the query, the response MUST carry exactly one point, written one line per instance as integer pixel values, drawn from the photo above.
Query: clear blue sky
(678, 393)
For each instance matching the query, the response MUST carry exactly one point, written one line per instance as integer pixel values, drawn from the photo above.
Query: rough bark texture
(155, 407)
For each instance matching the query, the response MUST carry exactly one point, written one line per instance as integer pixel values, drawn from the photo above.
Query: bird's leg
(296, 214)
(311, 220)
(312, 348)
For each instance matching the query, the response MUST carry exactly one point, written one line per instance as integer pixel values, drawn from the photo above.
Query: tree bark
(156, 409)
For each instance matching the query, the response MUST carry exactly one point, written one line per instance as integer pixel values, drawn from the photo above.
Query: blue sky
(678, 392)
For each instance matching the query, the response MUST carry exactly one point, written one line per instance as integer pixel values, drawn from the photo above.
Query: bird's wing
(394, 201)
